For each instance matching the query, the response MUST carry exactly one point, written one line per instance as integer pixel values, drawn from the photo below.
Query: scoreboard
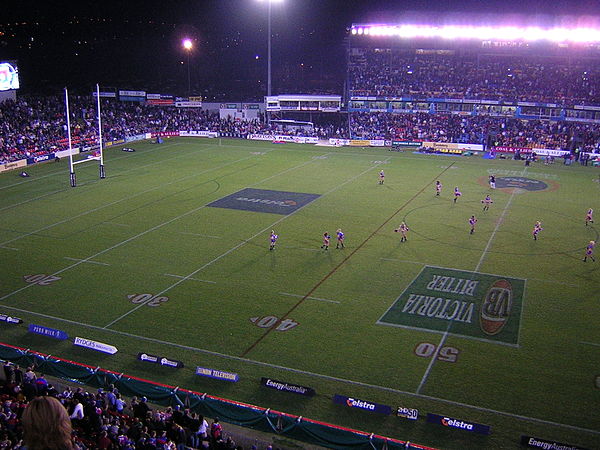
(9, 75)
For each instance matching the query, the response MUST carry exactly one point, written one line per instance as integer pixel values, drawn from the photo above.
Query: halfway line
(485, 251)
(309, 298)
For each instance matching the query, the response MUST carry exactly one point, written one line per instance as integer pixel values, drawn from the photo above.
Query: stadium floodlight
(188, 45)
(502, 33)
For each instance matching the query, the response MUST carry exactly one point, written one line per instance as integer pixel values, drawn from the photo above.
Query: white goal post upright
(71, 165)
(101, 168)
(100, 157)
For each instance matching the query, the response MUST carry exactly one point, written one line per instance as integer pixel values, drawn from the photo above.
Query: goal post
(99, 154)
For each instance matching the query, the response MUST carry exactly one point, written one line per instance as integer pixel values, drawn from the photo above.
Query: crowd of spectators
(34, 126)
(486, 130)
(397, 73)
(95, 420)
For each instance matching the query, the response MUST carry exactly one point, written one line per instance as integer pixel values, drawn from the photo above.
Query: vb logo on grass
(469, 304)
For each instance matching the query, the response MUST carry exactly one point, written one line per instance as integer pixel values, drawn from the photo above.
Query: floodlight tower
(188, 45)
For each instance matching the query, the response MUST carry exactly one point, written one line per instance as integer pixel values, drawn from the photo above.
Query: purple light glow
(580, 35)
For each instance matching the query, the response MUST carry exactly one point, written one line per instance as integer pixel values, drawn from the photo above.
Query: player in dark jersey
(487, 201)
(472, 223)
(589, 251)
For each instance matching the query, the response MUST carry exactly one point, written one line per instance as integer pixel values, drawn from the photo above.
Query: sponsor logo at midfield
(463, 303)
(496, 307)
(527, 184)
(284, 203)
(265, 200)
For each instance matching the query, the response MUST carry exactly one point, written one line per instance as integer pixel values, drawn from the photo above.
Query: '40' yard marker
(270, 321)
(148, 299)
(41, 279)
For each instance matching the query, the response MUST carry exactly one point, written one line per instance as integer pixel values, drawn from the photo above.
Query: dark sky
(136, 44)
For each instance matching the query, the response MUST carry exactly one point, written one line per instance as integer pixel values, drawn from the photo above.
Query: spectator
(46, 425)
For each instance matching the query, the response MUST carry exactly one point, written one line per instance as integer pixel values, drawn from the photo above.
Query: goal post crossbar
(100, 157)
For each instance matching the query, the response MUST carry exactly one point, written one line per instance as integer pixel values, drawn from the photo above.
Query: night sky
(136, 44)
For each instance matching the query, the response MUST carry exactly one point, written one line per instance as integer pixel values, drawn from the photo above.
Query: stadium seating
(107, 423)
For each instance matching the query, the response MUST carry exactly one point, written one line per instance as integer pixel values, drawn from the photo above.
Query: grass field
(522, 359)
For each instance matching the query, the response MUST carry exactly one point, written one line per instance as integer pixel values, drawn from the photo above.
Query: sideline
(312, 374)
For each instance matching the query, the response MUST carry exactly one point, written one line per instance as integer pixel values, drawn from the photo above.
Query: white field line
(87, 261)
(554, 282)
(590, 343)
(62, 172)
(481, 259)
(304, 372)
(47, 194)
(188, 278)
(404, 261)
(9, 248)
(69, 188)
(129, 197)
(149, 230)
(310, 298)
(200, 235)
(115, 224)
(241, 244)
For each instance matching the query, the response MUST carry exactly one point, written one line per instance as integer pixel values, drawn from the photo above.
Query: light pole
(269, 51)
(188, 45)
(270, 3)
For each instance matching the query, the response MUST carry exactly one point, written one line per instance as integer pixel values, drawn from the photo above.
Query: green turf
(148, 229)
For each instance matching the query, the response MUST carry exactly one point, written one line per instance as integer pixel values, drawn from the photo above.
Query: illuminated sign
(46, 331)
(362, 404)
(95, 345)
(9, 76)
(217, 374)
